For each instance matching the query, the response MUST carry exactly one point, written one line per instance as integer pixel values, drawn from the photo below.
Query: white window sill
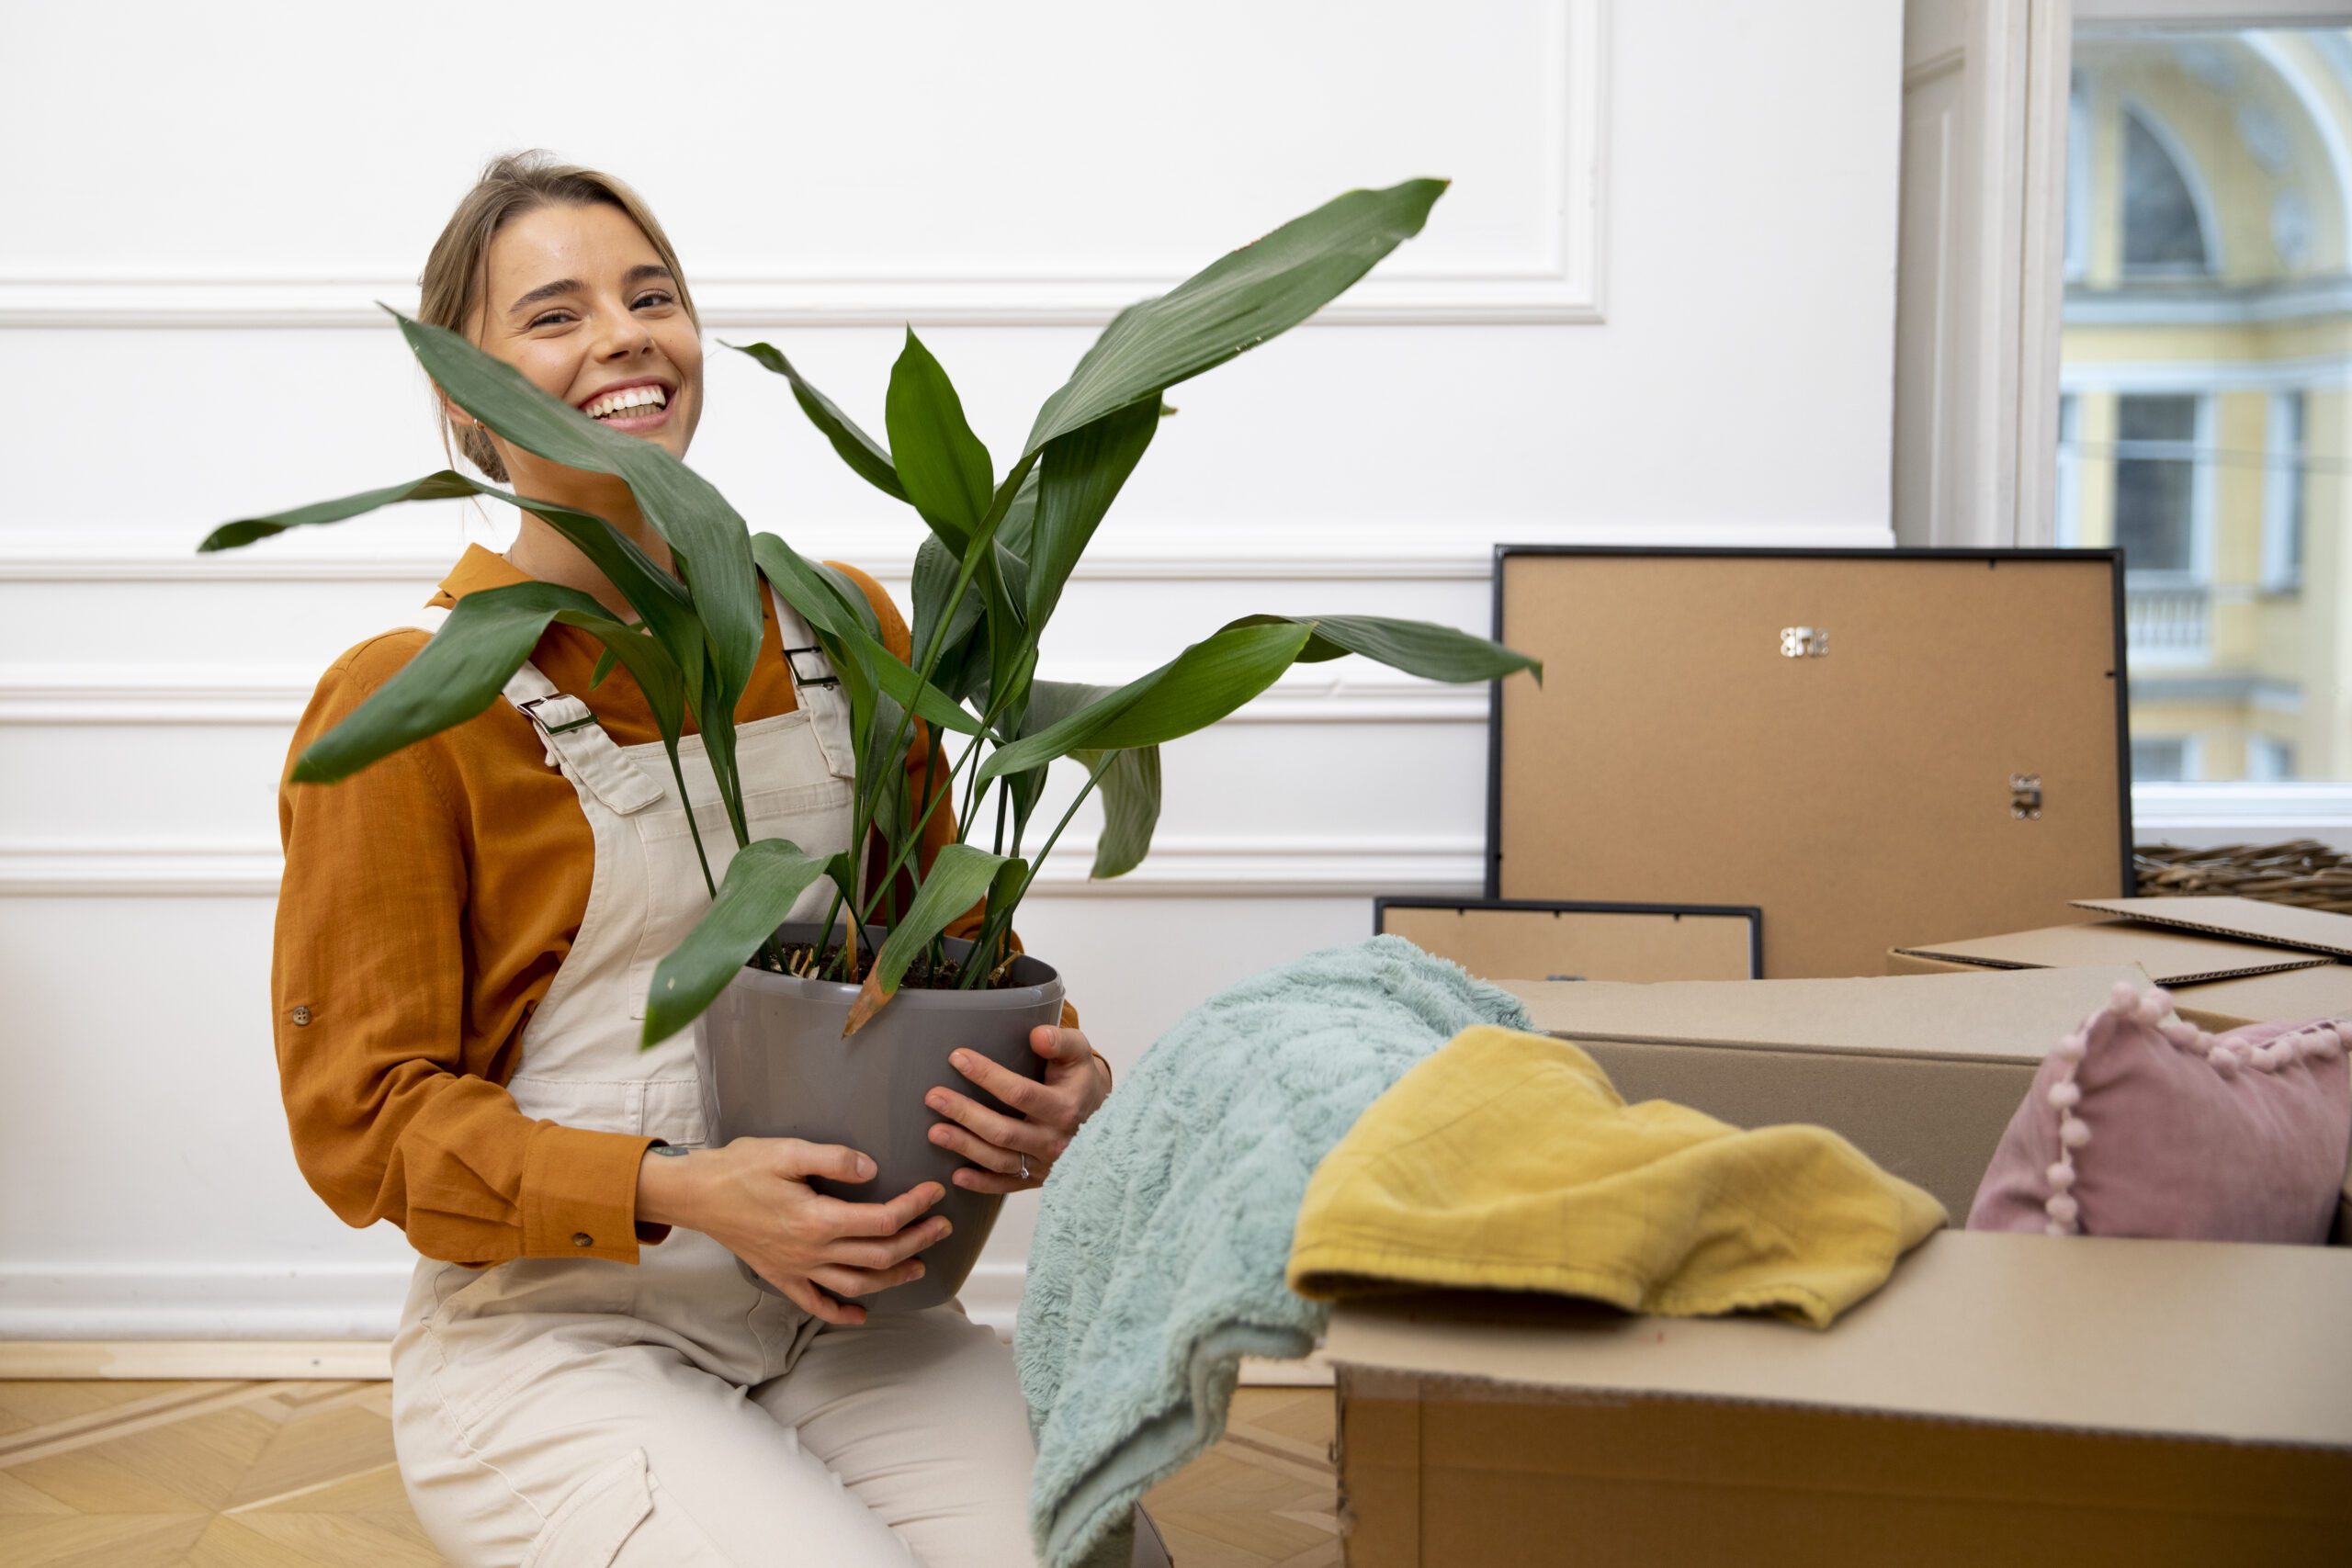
(2207, 814)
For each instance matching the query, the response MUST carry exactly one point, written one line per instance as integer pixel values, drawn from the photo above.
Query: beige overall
(574, 1412)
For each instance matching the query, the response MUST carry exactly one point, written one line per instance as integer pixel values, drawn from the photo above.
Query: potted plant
(802, 1038)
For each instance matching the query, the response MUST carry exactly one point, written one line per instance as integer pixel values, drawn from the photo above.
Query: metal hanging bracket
(2024, 796)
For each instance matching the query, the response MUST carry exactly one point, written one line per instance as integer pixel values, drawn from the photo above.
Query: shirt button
(581, 1239)
(301, 1016)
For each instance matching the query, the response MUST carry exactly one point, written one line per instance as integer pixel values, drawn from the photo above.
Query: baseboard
(260, 1303)
(308, 1321)
(196, 1359)
(24, 1361)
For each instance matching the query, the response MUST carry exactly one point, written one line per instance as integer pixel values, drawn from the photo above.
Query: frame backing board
(1508, 939)
(1859, 790)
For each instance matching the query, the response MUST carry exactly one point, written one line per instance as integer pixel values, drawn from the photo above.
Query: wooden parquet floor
(300, 1474)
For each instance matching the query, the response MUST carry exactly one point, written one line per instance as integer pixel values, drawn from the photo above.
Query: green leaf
(763, 881)
(456, 675)
(1236, 303)
(1129, 787)
(1417, 647)
(860, 451)
(942, 464)
(1082, 472)
(444, 486)
(708, 540)
(953, 884)
(626, 566)
(1190, 692)
(936, 569)
(848, 637)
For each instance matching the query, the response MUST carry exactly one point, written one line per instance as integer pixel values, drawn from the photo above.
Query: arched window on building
(2164, 227)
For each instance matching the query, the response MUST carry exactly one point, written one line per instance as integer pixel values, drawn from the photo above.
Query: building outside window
(2160, 758)
(2206, 355)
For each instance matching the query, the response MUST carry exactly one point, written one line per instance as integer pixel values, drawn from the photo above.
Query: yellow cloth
(1508, 1161)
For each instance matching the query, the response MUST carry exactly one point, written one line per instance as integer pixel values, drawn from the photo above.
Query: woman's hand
(1050, 1113)
(752, 1197)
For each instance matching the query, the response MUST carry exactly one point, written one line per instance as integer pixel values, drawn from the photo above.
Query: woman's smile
(637, 406)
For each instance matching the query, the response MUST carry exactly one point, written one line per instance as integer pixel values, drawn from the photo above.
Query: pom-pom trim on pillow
(2319, 1040)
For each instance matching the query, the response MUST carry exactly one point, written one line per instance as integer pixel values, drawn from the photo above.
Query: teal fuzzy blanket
(1165, 1227)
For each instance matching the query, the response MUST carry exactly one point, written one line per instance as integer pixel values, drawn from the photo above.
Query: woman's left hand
(1010, 1153)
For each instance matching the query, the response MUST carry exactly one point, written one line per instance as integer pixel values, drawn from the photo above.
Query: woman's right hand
(752, 1197)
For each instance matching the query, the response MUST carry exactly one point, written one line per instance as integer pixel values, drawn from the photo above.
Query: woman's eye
(550, 316)
(656, 298)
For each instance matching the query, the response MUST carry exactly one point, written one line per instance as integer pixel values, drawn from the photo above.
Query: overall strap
(817, 688)
(578, 745)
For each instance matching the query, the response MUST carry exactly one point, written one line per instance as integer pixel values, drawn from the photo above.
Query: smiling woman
(463, 935)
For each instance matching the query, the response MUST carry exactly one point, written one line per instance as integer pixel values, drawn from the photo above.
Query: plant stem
(983, 540)
(1000, 921)
(914, 834)
(687, 803)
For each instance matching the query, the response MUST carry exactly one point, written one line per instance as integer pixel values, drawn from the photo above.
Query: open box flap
(2169, 956)
(2194, 1340)
(2004, 1014)
(2251, 920)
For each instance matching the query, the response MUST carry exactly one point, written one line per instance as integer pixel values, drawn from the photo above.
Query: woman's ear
(457, 416)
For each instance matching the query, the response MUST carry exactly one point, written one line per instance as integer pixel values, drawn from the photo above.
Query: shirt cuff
(580, 1194)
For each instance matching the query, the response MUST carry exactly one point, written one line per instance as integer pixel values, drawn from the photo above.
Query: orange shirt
(427, 904)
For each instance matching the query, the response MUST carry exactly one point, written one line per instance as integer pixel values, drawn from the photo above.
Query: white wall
(1656, 306)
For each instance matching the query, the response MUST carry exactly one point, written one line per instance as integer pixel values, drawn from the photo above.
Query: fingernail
(939, 1134)
(918, 1273)
(865, 1167)
(961, 1058)
(945, 1230)
(937, 1101)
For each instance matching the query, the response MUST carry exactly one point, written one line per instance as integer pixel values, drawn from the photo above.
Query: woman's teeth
(627, 400)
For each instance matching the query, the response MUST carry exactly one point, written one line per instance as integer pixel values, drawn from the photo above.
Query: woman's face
(578, 300)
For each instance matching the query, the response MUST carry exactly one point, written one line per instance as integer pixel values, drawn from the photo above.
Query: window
(2283, 493)
(2156, 483)
(2162, 232)
(2269, 759)
(2160, 758)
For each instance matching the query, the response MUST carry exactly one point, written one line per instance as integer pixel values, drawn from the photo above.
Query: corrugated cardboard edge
(1960, 961)
(2264, 922)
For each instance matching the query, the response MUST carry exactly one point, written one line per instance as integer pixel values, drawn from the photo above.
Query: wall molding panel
(1562, 285)
(274, 698)
(1408, 552)
(1203, 867)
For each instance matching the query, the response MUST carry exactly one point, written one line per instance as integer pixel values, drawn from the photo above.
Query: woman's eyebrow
(572, 284)
(546, 291)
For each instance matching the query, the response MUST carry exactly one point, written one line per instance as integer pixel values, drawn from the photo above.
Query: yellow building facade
(2206, 356)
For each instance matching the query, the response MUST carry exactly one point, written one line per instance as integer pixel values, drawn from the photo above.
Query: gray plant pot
(773, 1064)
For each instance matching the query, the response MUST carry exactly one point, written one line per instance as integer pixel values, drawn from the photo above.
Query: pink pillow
(2140, 1124)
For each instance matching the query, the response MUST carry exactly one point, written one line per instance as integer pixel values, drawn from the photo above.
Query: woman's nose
(622, 336)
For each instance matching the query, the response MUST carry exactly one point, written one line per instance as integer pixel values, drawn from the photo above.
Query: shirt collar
(476, 569)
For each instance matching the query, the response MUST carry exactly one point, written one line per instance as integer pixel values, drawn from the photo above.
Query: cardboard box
(2006, 1399)
(1873, 747)
(1922, 1074)
(1534, 940)
(2230, 960)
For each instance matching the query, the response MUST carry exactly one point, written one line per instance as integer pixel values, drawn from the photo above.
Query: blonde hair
(456, 274)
